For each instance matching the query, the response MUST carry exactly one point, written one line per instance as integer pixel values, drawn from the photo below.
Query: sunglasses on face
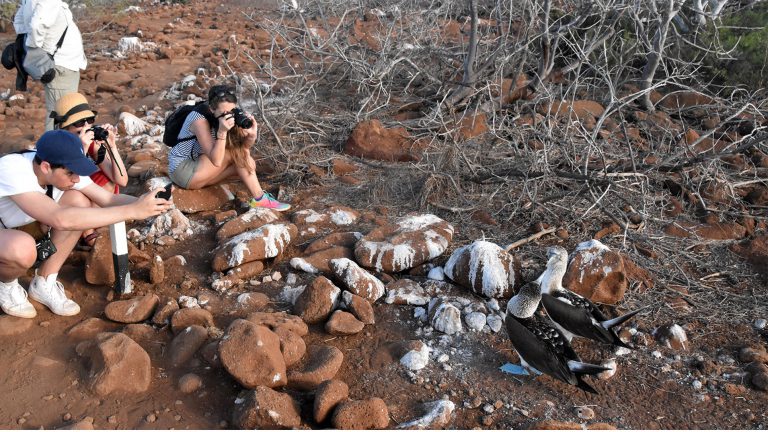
(82, 122)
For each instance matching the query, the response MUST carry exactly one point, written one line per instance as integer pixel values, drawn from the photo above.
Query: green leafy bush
(745, 31)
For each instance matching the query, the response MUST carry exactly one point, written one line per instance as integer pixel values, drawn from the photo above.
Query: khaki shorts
(183, 173)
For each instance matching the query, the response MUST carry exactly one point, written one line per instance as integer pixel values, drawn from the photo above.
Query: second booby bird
(574, 314)
(540, 345)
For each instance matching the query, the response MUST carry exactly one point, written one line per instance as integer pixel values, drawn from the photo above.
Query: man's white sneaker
(51, 293)
(13, 300)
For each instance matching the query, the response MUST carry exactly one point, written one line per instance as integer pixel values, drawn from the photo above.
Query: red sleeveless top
(100, 177)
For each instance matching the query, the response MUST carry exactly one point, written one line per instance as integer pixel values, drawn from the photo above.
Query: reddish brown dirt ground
(42, 383)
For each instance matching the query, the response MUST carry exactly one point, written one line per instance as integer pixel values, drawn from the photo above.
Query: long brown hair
(239, 148)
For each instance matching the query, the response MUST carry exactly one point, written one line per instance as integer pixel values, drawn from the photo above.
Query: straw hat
(71, 108)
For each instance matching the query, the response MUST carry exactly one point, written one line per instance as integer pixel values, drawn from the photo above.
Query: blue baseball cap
(65, 148)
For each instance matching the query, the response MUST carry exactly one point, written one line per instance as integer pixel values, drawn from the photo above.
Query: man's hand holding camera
(149, 205)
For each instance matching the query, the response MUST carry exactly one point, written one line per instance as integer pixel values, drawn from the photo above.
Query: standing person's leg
(66, 81)
(16, 256)
(44, 287)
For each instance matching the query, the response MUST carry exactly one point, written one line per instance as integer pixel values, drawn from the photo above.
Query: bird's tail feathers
(608, 324)
(582, 368)
(584, 386)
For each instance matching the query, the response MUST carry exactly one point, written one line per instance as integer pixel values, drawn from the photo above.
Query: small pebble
(697, 385)
(760, 323)
(67, 417)
(151, 418)
(22, 421)
(112, 419)
(266, 279)
(488, 408)
(291, 279)
(585, 413)
(276, 276)
(177, 417)
(487, 420)
(45, 323)
(48, 397)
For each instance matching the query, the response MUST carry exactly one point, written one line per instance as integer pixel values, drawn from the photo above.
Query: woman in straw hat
(74, 114)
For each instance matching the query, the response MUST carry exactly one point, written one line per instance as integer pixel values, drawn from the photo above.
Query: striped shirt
(186, 149)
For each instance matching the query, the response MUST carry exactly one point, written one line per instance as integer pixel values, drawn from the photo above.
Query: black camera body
(241, 120)
(99, 133)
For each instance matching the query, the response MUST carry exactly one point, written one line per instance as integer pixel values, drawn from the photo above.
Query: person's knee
(20, 250)
(75, 198)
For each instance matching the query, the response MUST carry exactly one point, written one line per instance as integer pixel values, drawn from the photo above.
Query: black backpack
(176, 119)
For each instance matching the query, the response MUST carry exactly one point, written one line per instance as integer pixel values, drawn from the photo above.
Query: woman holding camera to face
(73, 114)
(214, 143)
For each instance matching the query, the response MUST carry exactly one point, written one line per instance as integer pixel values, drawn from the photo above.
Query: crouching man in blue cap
(46, 194)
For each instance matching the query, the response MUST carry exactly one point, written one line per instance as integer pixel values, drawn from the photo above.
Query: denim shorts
(183, 173)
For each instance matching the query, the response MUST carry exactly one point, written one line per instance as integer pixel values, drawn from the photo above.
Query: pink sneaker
(268, 201)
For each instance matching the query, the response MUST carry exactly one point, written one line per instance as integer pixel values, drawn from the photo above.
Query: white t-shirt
(44, 21)
(17, 177)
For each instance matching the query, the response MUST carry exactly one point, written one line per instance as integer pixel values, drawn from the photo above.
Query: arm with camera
(214, 148)
(112, 164)
(116, 208)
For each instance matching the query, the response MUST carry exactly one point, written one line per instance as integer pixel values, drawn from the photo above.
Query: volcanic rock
(409, 242)
(485, 268)
(343, 323)
(268, 241)
(360, 307)
(319, 261)
(186, 343)
(365, 414)
(406, 292)
(356, 279)
(132, 310)
(370, 139)
(317, 301)
(251, 354)
(250, 220)
(327, 397)
(264, 408)
(321, 363)
(118, 365)
(186, 317)
(597, 273)
(275, 320)
(345, 239)
(292, 346)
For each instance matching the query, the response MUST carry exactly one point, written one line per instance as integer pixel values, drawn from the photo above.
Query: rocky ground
(320, 317)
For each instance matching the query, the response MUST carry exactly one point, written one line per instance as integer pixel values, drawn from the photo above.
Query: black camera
(241, 120)
(99, 133)
(45, 248)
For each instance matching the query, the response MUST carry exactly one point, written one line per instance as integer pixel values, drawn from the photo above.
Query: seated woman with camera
(214, 143)
(73, 114)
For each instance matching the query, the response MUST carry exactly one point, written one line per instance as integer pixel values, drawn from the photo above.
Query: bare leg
(64, 240)
(208, 174)
(17, 254)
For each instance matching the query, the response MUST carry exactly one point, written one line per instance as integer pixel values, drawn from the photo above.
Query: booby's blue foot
(514, 369)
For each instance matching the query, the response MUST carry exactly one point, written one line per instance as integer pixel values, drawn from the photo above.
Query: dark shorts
(183, 173)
